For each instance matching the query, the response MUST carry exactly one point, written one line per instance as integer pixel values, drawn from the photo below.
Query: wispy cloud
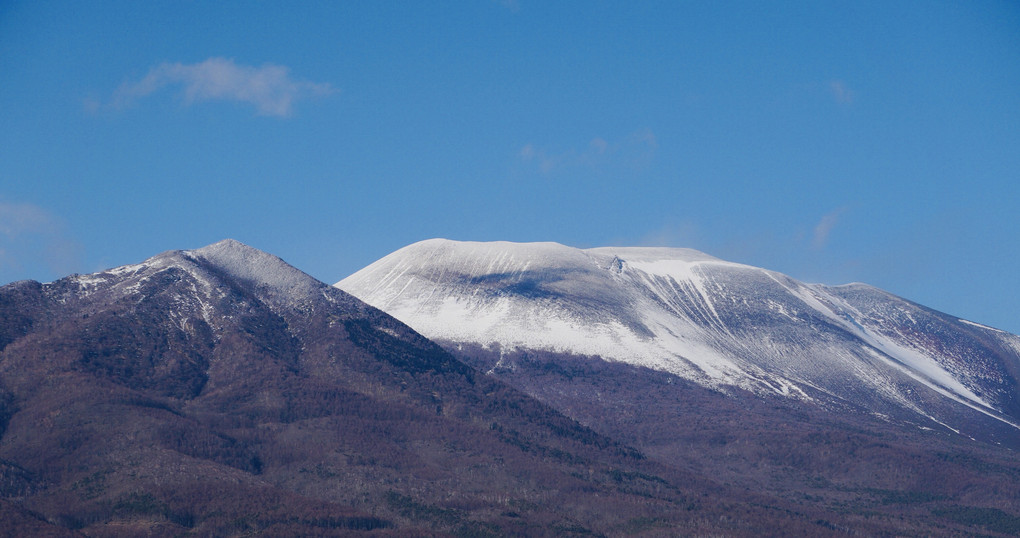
(635, 150)
(31, 236)
(512, 5)
(270, 88)
(841, 92)
(530, 154)
(17, 219)
(825, 226)
(683, 233)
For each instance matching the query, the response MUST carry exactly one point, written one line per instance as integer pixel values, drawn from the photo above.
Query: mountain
(220, 391)
(801, 390)
(716, 323)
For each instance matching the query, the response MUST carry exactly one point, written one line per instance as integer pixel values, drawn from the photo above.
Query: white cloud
(684, 233)
(841, 92)
(545, 162)
(512, 5)
(18, 219)
(269, 88)
(825, 226)
(634, 151)
(528, 152)
(31, 239)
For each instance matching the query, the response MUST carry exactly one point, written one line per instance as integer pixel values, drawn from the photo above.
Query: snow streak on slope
(684, 312)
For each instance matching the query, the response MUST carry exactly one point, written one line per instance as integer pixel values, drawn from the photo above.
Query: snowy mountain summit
(720, 324)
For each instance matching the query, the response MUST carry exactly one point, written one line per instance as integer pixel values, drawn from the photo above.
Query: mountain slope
(716, 323)
(845, 399)
(220, 391)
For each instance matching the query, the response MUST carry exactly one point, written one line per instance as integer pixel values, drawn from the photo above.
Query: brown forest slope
(876, 473)
(222, 392)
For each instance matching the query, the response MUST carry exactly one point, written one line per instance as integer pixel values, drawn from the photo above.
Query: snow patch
(986, 327)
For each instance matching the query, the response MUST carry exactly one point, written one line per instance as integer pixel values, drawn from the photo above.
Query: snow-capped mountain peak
(212, 273)
(253, 265)
(718, 323)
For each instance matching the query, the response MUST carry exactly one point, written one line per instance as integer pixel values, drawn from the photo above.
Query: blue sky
(833, 141)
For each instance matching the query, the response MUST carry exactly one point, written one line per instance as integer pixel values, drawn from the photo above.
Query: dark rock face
(222, 392)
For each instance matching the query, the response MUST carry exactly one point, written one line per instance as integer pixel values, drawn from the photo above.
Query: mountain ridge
(220, 391)
(843, 397)
(715, 322)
